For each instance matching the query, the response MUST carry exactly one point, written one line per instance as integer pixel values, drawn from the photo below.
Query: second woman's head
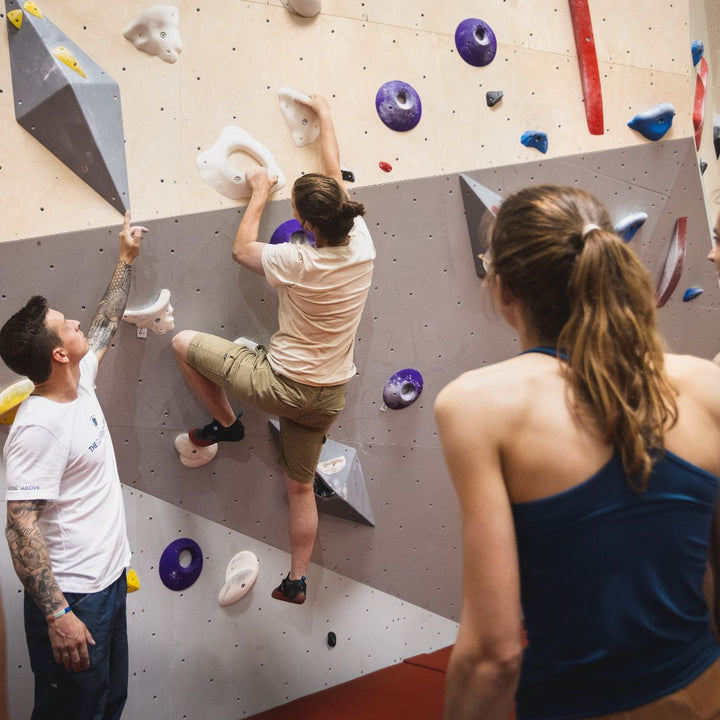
(323, 203)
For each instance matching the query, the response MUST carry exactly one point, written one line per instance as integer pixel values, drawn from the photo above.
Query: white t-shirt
(322, 294)
(62, 453)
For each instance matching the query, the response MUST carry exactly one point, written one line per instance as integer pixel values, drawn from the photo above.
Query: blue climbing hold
(291, 231)
(697, 49)
(475, 42)
(629, 225)
(398, 105)
(691, 293)
(535, 139)
(655, 122)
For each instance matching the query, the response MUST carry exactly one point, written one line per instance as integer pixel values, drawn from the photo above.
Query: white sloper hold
(216, 170)
(301, 119)
(241, 574)
(157, 317)
(306, 8)
(156, 31)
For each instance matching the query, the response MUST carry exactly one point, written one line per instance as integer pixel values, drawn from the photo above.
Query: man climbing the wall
(301, 377)
(65, 516)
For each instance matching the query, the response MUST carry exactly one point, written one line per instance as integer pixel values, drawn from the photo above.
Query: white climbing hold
(301, 119)
(306, 8)
(156, 31)
(191, 455)
(157, 317)
(241, 574)
(330, 467)
(216, 171)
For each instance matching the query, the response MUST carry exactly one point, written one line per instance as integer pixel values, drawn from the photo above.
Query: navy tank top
(611, 585)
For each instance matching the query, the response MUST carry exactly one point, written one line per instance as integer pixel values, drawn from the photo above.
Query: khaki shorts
(700, 700)
(306, 412)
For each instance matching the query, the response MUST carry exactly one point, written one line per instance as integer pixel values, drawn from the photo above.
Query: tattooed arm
(111, 307)
(68, 635)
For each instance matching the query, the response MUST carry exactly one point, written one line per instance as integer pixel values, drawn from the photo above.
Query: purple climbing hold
(691, 293)
(476, 42)
(493, 97)
(698, 49)
(175, 575)
(655, 122)
(403, 388)
(291, 231)
(535, 139)
(398, 105)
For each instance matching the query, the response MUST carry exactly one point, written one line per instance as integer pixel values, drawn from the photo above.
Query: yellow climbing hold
(33, 9)
(65, 56)
(11, 397)
(133, 582)
(15, 17)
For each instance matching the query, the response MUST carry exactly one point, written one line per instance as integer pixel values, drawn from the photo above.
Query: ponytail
(323, 202)
(588, 294)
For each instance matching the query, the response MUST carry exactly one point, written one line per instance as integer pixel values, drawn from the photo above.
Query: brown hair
(588, 294)
(323, 202)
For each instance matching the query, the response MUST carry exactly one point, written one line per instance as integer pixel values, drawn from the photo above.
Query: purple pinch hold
(475, 42)
(291, 231)
(174, 575)
(398, 105)
(403, 388)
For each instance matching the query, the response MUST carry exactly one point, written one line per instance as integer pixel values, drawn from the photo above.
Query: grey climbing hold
(655, 122)
(716, 135)
(481, 206)
(535, 139)
(703, 166)
(493, 97)
(697, 48)
(67, 102)
(339, 481)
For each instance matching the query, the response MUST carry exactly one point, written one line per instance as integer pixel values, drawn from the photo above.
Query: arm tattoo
(30, 556)
(111, 308)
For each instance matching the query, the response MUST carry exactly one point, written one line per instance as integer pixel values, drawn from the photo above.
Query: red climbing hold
(387, 167)
(699, 105)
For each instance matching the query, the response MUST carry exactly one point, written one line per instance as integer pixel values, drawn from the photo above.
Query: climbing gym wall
(386, 568)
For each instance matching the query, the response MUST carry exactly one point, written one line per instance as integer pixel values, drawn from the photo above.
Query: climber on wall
(301, 376)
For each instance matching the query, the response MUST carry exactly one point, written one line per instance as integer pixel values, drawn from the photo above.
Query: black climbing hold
(493, 97)
(332, 639)
(716, 136)
(703, 166)
(348, 175)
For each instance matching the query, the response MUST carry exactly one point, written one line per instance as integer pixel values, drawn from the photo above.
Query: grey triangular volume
(340, 492)
(481, 205)
(72, 107)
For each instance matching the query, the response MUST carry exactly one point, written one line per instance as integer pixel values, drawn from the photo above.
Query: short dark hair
(26, 342)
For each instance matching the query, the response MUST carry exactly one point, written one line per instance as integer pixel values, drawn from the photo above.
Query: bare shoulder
(695, 378)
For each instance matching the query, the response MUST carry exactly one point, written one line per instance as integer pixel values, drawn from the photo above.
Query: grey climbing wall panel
(426, 310)
(72, 108)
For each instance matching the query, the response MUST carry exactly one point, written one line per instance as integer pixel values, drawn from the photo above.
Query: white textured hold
(330, 467)
(191, 455)
(301, 119)
(216, 170)
(241, 574)
(156, 31)
(157, 317)
(306, 8)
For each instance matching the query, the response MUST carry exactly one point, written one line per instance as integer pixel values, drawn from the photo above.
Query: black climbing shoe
(214, 432)
(293, 591)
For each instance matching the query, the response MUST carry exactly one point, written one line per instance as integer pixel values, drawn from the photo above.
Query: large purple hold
(398, 105)
(476, 42)
(402, 389)
(291, 231)
(174, 575)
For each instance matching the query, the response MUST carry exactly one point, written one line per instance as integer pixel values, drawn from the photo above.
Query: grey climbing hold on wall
(493, 97)
(481, 205)
(655, 122)
(475, 42)
(67, 102)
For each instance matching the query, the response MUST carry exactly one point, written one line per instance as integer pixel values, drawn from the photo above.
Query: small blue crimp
(697, 49)
(691, 293)
(535, 139)
(655, 122)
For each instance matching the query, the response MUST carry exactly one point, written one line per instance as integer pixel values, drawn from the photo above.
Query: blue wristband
(58, 614)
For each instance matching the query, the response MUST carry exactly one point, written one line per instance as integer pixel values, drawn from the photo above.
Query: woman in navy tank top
(587, 473)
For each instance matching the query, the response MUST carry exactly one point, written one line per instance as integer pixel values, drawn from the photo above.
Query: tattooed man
(65, 516)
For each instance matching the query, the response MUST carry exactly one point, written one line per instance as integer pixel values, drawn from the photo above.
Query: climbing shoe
(214, 432)
(293, 591)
